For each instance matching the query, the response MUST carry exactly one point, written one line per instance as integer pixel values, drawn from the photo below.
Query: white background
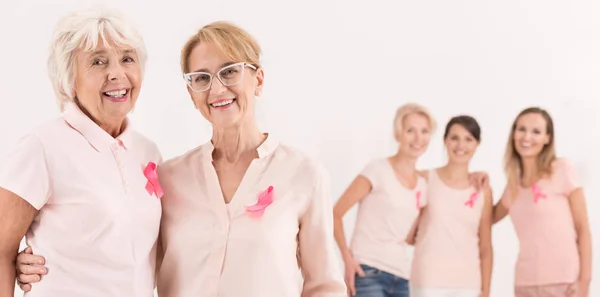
(337, 70)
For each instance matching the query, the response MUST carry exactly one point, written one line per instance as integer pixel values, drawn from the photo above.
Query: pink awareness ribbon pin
(537, 193)
(152, 186)
(265, 199)
(418, 198)
(471, 202)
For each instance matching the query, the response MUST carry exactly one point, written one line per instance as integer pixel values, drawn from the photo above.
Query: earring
(258, 93)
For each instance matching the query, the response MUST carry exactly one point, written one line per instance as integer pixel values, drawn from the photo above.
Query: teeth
(222, 103)
(117, 94)
(460, 153)
(525, 144)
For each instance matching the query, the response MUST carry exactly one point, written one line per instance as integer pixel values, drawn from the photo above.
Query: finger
(351, 285)
(28, 250)
(30, 259)
(25, 287)
(360, 271)
(28, 279)
(32, 269)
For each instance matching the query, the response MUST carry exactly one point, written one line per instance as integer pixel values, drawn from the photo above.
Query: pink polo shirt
(447, 243)
(548, 252)
(97, 225)
(213, 249)
(385, 217)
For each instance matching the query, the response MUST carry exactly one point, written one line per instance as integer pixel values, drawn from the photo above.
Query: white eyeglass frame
(188, 76)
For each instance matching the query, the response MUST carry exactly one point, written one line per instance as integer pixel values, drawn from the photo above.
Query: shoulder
(181, 162)
(45, 134)
(301, 166)
(562, 163)
(146, 146)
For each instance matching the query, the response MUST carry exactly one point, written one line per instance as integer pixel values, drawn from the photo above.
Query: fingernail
(42, 271)
(41, 262)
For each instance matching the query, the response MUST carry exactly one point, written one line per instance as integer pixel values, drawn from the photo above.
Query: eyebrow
(103, 52)
(222, 65)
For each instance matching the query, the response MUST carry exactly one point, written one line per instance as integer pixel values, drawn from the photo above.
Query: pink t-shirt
(385, 217)
(97, 225)
(213, 249)
(544, 225)
(447, 243)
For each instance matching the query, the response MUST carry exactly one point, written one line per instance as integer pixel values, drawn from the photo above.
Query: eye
(98, 62)
(128, 60)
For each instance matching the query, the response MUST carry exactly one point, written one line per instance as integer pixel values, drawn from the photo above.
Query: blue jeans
(377, 283)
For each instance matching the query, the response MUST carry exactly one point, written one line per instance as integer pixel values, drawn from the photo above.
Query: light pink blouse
(541, 215)
(385, 217)
(97, 225)
(213, 249)
(447, 243)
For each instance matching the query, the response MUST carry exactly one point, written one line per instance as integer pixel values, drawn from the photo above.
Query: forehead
(416, 119)
(207, 57)
(531, 119)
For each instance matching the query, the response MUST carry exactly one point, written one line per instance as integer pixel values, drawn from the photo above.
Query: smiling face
(530, 135)
(460, 144)
(230, 96)
(414, 135)
(107, 82)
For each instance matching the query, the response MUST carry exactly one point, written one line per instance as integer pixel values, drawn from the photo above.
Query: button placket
(117, 151)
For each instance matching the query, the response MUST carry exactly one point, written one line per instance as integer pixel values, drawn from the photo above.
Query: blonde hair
(513, 166)
(412, 108)
(82, 30)
(235, 43)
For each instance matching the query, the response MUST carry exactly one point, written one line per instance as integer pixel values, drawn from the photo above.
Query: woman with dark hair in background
(453, 247)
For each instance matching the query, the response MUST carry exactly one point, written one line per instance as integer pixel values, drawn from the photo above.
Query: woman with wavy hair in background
(545, 200)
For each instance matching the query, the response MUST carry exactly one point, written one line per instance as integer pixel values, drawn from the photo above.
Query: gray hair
(82, 30)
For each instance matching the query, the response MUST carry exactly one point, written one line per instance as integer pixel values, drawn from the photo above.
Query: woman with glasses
(243, 215)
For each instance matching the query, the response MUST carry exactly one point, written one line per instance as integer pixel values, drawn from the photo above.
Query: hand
(480, 180)
(352, 269)
(29, 269)
(580, 288)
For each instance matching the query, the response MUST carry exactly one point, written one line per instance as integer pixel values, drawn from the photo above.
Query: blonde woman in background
(390, 193)
(546, 203)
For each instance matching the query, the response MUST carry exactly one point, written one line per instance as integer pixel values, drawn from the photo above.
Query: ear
(260, 79)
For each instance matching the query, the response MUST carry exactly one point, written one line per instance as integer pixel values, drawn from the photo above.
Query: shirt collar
(94, 134)
(264, 149)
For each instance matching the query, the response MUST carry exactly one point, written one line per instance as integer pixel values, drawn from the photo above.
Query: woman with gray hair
(93, 212)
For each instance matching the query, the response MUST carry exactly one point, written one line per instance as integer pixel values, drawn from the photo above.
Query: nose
(116, 72)
(216, 87)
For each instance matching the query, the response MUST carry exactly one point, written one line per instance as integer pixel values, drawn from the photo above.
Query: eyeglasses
(229, 75)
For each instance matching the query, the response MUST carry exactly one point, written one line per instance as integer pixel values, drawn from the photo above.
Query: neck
(114, 127)
(456, 171)
(529, 169)
(232, 142)
(403, 163)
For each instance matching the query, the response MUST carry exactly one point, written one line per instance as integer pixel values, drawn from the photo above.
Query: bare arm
(16, 216)
(486, 253)
(499, 212)
(584, 237)
(357, 190)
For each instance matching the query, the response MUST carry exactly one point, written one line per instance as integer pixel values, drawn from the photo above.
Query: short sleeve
(569, 178)
(372, 172)
(25, 172)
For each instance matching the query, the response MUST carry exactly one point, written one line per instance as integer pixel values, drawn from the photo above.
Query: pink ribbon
(418, 198)
(471, 202)
(265, 199)
(152, 186)
(537, 193)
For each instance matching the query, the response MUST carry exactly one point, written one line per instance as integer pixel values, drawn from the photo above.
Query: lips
(117, 95)
(223, 103)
